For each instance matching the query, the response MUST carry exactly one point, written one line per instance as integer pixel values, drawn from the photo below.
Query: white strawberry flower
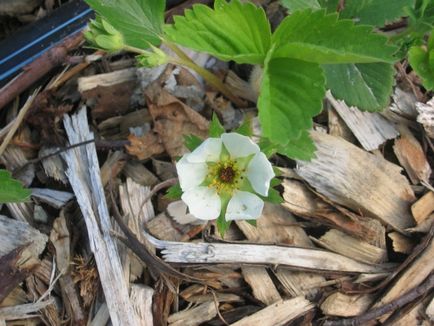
(223, 176)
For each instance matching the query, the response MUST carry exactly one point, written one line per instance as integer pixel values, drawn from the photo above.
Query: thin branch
(422, 290)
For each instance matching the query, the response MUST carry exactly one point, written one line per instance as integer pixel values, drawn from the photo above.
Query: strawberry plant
(310, 50)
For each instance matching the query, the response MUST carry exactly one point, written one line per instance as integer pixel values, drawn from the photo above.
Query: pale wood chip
(339, 172)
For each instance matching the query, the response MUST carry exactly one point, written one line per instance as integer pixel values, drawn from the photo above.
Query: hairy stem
(209, 77)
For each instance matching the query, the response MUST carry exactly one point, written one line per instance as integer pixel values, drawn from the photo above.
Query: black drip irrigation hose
(31, 41)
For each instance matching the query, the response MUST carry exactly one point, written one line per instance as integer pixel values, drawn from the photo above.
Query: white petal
(239, 145)
(178, 211)
(208, 151)
(244, 206)
(260, 172)
(190, 174)
(203, 202)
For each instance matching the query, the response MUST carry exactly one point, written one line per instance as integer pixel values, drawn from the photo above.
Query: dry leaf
(145, 146)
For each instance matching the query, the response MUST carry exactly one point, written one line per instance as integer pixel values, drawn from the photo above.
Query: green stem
(210, 78)
(135, 50)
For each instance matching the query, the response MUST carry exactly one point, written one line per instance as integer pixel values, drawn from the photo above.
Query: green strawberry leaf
(421, 59)
(366, 86)
(192, 142)
(315, 36)
(139, 21)
(291, 95)
(302, 148)
(377, 13)
(174, 192)
(370, 12)
(273, 197)
(11, 190)
(215, 127)
(231, 31)
(294, 5)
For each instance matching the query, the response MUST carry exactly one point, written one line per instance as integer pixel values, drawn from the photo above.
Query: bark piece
(136, 214)
(15, 266)
(370, 129)
(262, 285)
(423, 207)
(14, 234)
(141, 297)
(54, 198)
(140, 174)
(293, 257)
(426, 116)
(411, 156)
(413, 276)
(401, 243)
(84, 177)
(24, 311)
(60, 238)
(274, 227)
(279, 313)
(194, 316)
(53, 166)
(299, 200)
(337, 126)
(357, 249)
(339, 173)
(344, 305)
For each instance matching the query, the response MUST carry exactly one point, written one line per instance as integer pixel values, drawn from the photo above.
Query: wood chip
(293, 257)
(370, 129)
(262, 285)
(194, 316)
(277, 314)
(299, 200)
(401, 243)
(426, 116)
(414, 275)
(275, 226)
(14, 234)
(423, 207)
(339, 172)
(54, 198)
(357, 249)
(411, 156)
(84, 176)
(344, 305)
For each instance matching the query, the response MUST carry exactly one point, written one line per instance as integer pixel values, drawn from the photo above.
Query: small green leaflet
(291, 95)
(422, 61)
(302, 148)
(215, 127)
(139, 21)
(366, 86)
(11, 190)
(231, 31)
(375, 12)
(370, 12)
(245, 128)
(294, 5)
(174, 192)
(192, 142)
(315, 36)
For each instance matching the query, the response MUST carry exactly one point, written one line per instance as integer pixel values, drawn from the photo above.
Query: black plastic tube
(33, 40)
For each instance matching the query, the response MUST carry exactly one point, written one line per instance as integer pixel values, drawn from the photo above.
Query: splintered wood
(83, 174)
(359, 180)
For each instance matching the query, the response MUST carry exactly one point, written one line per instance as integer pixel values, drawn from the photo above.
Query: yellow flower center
(225, 176)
